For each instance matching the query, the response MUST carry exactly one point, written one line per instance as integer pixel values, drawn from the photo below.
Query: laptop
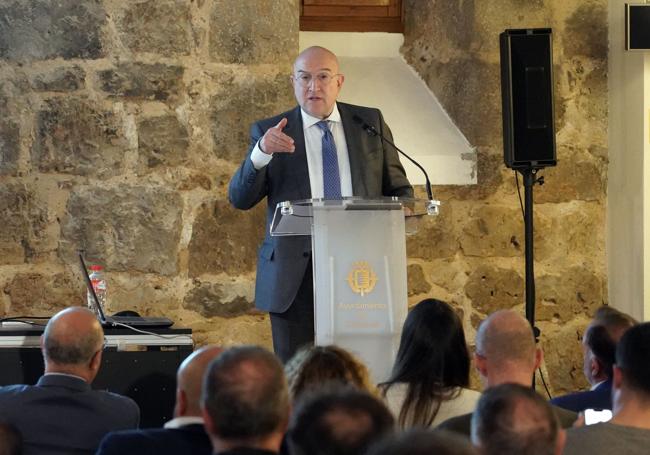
(110, 321)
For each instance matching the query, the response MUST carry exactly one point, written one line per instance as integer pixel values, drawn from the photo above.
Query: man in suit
(183, 434)
(245, 402)
(628, 431)
(61, 414)
(315, 150)
(505, 353)
(599, 349)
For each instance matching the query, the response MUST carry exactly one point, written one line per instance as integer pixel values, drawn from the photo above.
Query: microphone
(432, 204)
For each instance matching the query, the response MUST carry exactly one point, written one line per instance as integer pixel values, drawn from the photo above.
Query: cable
(146, 332)
(548, 392)
(25, 320)
(521, 202)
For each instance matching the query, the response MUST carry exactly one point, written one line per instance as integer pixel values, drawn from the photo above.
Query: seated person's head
(432, 359)
(423, 442)
(631, 372)
(511, 419)
(245, 400)
(72, 343)
(337, 420)
(599, 342)
(314, 366)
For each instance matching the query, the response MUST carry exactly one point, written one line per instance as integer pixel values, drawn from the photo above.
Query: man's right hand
(275, 141)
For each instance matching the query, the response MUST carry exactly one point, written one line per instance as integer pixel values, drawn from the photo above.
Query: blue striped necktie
(331, 177)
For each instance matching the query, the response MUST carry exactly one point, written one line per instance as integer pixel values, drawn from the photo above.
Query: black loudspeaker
(527, 96)
(637, 26)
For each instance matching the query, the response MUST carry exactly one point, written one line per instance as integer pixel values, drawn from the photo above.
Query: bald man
(61, 414)
(185, 433)
(506, 352)
(315, 150)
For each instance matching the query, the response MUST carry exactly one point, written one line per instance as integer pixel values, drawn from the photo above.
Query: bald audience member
(599, 349)
(61, 414)
(245, 402)
(512, 419)
(183, 434)
(506, 352)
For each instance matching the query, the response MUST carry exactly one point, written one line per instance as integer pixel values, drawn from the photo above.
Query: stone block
(162, 141)
(459, 85)
(43, 295)
(563, 296)
(585, 31)
(563, 355)
(128, 228)
(61, 79)
(43, 29)
(575, 178)
(217, 299)
(256, 31)
(434, 237)
(493, 231)
(225, 240)
(75, 136)
(245, 102)
(247, 329)
(156, 26)
(417, 283)
(142, 81)
(24, 221)
(491, 288)
(9, 146)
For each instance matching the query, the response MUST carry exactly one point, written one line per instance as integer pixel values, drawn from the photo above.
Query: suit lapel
(354, 139)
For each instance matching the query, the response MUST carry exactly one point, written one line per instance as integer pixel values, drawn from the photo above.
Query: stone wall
(122, 122)
(472, 255)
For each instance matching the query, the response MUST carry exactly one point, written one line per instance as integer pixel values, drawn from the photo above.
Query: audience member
(11, 441)
(313, 366)
(423, 442)
(511, 419)
(338, 420)
(505, 353)
(185, 433)
(61, 414)
(245, 402)
(599, 348)
(629, 429)
(430, 377)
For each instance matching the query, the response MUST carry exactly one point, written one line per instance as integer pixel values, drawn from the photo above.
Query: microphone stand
(433, 206)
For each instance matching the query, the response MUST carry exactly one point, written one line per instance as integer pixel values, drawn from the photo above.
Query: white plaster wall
(628, 222)
(376, 75)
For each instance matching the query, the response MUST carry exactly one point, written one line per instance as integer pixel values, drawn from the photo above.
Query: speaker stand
(530, 179)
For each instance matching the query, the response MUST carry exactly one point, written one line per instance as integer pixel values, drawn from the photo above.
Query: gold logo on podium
(362, 279)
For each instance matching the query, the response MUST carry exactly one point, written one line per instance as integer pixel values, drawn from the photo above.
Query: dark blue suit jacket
(158, 441)
(599, 398)
(376, 171)
(61, 414)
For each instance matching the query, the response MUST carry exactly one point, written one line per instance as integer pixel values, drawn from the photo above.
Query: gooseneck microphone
(432, 204)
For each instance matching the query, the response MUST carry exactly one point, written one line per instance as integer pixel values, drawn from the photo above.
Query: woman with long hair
(430, 377)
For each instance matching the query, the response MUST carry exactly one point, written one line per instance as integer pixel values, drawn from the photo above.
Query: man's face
(316, 82)
(587, 358)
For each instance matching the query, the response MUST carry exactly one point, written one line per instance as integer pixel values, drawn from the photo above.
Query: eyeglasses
(305, 79)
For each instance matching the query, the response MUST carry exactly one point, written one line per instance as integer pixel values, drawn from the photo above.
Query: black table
(141, 366)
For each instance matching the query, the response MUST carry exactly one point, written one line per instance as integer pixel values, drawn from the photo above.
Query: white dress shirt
(313, 146)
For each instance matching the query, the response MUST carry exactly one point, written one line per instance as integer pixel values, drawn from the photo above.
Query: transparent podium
(359, 269)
